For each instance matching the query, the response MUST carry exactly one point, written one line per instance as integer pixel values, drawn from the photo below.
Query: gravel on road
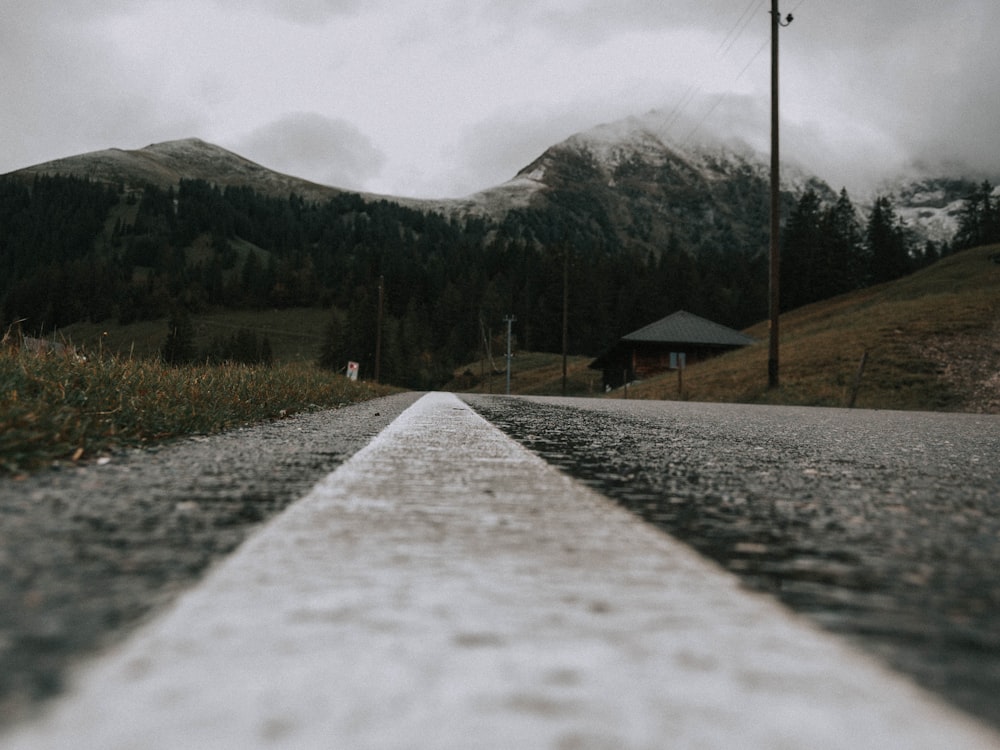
(446, 589)
(880, 526)
(89, 552)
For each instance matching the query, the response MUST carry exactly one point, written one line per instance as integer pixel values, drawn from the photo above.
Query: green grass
(532, 374)
(953, 306)
(56, 408)
(296, 334)
(59, 408)
(914, 330)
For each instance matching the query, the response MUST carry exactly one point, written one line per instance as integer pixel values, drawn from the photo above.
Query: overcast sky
(440, 98)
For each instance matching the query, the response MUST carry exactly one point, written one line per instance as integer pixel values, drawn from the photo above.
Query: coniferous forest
(74, 250)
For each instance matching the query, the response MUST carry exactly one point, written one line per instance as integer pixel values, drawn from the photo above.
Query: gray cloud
(495, 150)
(925, 76)
(595, 20)
(66, 92)
(306, 12)
(868, 88)
(318, 148)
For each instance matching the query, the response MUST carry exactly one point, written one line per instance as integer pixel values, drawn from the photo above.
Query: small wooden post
(857, 379)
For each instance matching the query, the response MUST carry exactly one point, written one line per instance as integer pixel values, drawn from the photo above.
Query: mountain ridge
(625, 222)
(632, 161)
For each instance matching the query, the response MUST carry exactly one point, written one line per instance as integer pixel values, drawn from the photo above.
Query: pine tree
(979, 219)
(801, 259)
(331, 354)
(886, 243)
(266, 355)
(844, 247)
(178, 348)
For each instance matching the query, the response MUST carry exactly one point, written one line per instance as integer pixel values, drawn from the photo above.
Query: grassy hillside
(531, 374)
(932, 342)
(295, 334)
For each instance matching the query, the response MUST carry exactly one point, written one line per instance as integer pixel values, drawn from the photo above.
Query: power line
(722, 97)
(737, 30)
(753, 59)
(737, 25)
(681, 106)
(743, 28)
(709, 113)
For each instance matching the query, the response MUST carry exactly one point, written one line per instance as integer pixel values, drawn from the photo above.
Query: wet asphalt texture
(89, 552)
(883, 527)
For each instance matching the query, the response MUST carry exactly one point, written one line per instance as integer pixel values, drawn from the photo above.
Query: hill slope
(166, 164)
(625, 181)
(932, 341)
(632, 225)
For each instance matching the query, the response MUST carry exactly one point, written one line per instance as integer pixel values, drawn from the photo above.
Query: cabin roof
(686, 328)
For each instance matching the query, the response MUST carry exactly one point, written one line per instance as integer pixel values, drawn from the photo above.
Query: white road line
(447, 589)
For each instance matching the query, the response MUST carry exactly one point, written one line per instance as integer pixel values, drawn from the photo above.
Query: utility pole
(508, 320)
(565, 321)
(774, 296)
(378, 328)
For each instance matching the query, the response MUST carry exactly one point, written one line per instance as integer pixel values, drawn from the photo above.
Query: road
(880, 526)
(88, 552)
(444, 584)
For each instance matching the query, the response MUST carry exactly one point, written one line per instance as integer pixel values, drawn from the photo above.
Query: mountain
(641, 190)
(165, 164)
(931, 206)
(620, 186)
(631, 175)
(626, 180)
(626, 223)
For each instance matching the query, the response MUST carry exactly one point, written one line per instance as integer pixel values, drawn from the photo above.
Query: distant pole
(482, 360)
(508, 320)
(774, 296)
(378, 328)
(565, 327)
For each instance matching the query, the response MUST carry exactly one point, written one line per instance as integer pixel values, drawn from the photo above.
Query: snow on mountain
(931, 205)
(633, 160)
(165, 164)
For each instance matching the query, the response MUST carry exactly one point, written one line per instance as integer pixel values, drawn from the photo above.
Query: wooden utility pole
(565, 321)
(378, 328)
(508, 320)
(774, 296)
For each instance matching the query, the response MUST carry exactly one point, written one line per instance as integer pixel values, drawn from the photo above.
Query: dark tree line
(827, 249)
(979, 220)
(71, 250)
(243, 347)
(148, 255)
(48, 268)
(823, 251)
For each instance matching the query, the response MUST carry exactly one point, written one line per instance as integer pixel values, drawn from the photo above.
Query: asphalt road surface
(880, 526)
(87, 553)
(444, 588)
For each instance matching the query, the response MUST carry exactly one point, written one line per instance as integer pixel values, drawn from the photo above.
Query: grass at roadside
(932, 341)
(532, 374)
(926, 337)
(55, 407)
(295, 335)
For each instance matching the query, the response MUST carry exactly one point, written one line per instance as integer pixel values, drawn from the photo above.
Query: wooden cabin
(674, 342)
